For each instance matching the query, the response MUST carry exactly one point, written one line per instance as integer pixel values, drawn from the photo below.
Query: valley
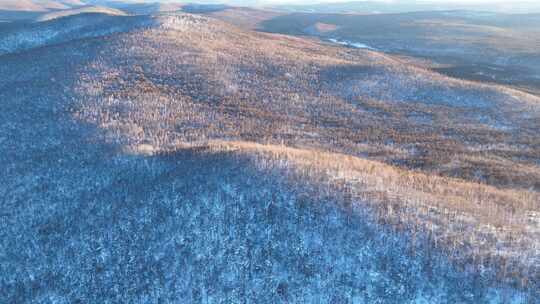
(455, 43)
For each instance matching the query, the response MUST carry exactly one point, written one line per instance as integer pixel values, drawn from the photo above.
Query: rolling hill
(23, 10)
(32, 35)
(38, 5)
(177, 157)
(146, 8)
(465, 44)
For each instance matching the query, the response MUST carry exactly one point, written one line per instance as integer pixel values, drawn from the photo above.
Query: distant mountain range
(39, 5)
(362, 7)
(370, 7)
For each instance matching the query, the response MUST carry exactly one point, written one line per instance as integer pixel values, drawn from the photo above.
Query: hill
(24, 10)
(38, 5)
(26, 36)
(244, 17)
(146, 8)
(181, 157)
(464, 44)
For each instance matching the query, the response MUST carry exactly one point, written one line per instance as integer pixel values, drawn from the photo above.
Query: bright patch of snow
(180, 22)
(470, 14)
(357, 45)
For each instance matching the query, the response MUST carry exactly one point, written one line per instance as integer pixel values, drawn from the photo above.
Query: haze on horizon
(519, 6)
(312, 2)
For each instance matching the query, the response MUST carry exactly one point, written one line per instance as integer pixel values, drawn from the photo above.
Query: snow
(470, 14)
(192, 228)
(91, 226)
(66, 29)
(26, 39)
(357, 45)
(180, 22)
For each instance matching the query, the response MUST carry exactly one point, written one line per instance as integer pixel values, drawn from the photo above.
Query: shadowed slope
(58, 30)
(244, 17)
(189, 227)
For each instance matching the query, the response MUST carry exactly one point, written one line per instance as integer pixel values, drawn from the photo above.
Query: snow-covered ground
(65, 29)
(84, 222)
(357, 45)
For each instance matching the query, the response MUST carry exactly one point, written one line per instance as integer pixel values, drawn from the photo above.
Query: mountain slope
(114, 187)
(358, 102)
(54, 31)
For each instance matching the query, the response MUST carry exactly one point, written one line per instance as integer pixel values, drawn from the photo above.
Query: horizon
(520, 6)
(309, 2)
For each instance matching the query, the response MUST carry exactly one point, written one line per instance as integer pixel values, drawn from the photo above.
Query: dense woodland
(184, 158)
